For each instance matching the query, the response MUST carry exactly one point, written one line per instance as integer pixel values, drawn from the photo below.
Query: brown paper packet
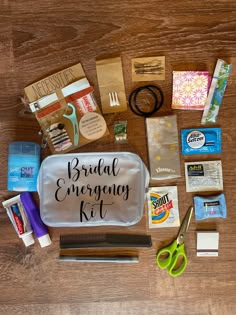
(110, 79)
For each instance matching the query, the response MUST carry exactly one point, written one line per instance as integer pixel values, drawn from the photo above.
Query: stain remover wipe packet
(163, 210)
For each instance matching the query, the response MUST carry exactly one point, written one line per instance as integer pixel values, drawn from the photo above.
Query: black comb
(104, 240)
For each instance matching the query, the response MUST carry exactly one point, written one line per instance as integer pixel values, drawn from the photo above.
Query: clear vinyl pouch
(92, 189)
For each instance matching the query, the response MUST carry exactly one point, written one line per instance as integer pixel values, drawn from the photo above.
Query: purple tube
(37, 224)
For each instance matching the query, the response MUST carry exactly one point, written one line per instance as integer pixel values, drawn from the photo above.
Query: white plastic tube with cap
(39, 228)
(19, 219)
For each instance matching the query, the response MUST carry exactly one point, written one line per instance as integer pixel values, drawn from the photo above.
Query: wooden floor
(38, 38)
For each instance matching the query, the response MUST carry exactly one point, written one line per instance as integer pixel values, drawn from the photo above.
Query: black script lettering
(87, 212)
(74, 171)
(102, 212)
(60, 183)
(73, 166)
(84, 214)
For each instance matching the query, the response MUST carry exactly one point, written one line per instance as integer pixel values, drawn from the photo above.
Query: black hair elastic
(157, 95)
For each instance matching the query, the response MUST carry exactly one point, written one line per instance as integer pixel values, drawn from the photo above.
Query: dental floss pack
(23, 166)
(201, 141)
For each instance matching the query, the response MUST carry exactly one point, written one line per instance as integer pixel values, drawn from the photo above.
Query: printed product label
(203, 176)
(195, 170)
(92, 126)
(163, 207)
(196, 139)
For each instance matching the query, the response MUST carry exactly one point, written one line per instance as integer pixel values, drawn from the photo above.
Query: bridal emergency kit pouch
(92, 189)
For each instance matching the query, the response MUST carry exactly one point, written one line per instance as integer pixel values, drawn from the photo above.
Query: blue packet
(208, 207)
(23, 166)
(201, 141)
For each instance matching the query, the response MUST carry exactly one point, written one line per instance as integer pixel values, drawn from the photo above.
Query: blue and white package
(23, 166)
(201, 141)
(208, 207)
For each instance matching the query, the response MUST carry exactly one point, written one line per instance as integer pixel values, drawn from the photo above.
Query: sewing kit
(69, 117)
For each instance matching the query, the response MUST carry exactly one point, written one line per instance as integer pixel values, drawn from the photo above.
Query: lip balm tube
(39, 228)
(19, 219)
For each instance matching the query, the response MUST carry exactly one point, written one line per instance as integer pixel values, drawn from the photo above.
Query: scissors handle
(174, 268)
(171, 262)
(168, 251)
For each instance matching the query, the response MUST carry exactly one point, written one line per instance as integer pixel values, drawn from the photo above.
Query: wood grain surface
(38, 38)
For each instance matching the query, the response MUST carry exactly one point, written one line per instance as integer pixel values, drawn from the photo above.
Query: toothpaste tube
(38, 226)
(201, 141)
(19, 219)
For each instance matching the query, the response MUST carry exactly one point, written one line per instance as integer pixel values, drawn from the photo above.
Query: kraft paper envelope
(110, 79)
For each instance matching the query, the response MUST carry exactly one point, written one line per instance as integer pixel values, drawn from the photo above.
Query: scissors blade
(184, 226)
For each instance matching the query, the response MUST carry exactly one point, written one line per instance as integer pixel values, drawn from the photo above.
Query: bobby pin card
(148, 68)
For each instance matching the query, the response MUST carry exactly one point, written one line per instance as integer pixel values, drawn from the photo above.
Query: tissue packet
(208, 207)
(201, 141)
(163, 208)
(163, 147)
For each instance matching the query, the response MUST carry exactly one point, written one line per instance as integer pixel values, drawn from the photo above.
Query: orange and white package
(163, 210)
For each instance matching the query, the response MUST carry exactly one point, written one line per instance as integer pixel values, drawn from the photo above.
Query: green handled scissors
(173, 257)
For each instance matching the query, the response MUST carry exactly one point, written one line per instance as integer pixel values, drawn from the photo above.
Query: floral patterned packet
(190, 89)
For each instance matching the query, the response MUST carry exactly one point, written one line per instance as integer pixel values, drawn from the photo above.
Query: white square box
(207, 243)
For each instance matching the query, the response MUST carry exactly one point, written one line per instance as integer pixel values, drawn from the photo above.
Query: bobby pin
(151, 64)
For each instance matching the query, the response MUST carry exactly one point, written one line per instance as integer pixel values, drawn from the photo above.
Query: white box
(207, 243)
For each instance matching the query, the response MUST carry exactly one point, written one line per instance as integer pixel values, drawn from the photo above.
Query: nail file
(104, 240)
(103, 259)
